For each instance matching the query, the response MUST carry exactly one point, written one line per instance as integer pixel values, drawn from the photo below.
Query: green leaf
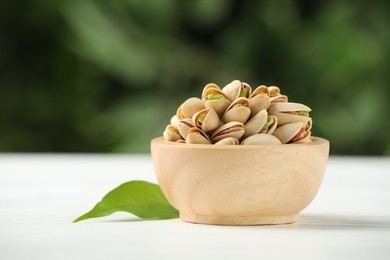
(141, 198)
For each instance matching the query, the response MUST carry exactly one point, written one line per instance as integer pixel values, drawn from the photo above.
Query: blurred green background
(106, 76)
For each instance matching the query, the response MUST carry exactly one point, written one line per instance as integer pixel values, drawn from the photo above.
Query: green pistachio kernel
(215, 96)
(270, 120)
(243, 92)
(200, 118)
(301, 113)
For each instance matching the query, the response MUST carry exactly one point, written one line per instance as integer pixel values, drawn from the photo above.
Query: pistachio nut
(231, 129)
(290, 113)
(189, 108)
(292, 132)
(184, 126)
(206, 119)
(260, 139)
(207, 87)
(175, 121)
(197, 136)
(256, 123)
(245, 91)
(237, 111)
(228, 141)
(304, 140)
(259, 100)
(214, 98)
(275, 95)
(171, 133)
(227, 116)
(236, 89)
(270, 125)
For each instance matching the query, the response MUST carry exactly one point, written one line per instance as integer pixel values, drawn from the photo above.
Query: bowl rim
(315, 142)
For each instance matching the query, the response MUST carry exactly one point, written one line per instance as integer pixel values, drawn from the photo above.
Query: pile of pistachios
(237, 115)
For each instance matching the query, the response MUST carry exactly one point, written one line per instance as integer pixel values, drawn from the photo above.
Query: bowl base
(238, 221)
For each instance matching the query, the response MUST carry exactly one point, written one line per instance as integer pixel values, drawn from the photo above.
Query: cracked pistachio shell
(236, 89)
(184, 126)
(278, 99)
(292, 132)
(228, 141)
(308, 125)
(256, 123)
(304, 140)
(231, 129)
(216, 99)
(206, 119)
(270, 126)
(275, 95)
(175, 121)
(288, 107)
(232, 89)
(260, 90)
(189, 108)
(259, 100)
(285, 113)
(197, 136)
(284, 118)
(237, 111)
(207, 87)
(171, 134)
(261, 139)
(273, 91)
(246, 90)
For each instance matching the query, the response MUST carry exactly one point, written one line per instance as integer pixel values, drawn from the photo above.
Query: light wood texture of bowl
(240, 185)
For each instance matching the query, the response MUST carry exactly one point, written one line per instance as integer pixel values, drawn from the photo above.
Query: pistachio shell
(236, 89)
(189, 108)
(275, 95)
(256, 123)
(278, 99)
(270, 126)
(284, 113)
(237, 111)
(260, 90)
(287, 107)
(300, 136)
(184, 126)
(206, 119)
(258, 103)
(228, 141)
(181, 141)
(273, 91)
(232, 90)
(308, 125)
(207, 87)
(219, 104)
(197, 136)
(231, 129)
(261, 139)
(304, 140)
(284, 118)
(287, 132)
(175, 121)
(171, 134)
(246, 90)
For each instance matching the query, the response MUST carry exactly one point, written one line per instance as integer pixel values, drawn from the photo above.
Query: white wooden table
(41, 194)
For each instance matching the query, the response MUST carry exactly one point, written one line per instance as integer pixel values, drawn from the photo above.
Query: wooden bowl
(240, 185)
